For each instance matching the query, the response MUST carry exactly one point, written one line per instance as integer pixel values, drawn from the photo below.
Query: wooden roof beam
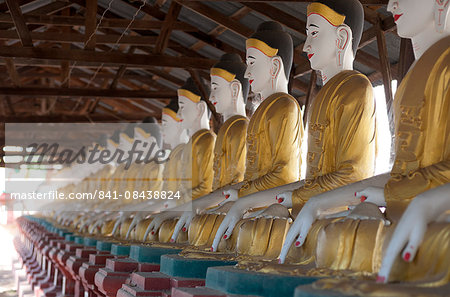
(85, 92)
(166, 30)
(90, 24)
(19, 23)
(143, 61)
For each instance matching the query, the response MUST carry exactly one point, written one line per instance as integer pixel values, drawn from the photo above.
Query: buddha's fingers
(293, 233)
(415, 239)
(149, 228)
(398, 241)
(222, 228)
(134, 223)
(178, 227)
(116, 225)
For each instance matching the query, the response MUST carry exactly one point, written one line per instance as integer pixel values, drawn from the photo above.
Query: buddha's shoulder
(282, 102)
(238, 124)
(354, 79)
(205, 136)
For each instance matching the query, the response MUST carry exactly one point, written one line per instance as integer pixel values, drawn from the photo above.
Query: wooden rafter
(90, 23)
(57, 20)
(112, 58)
(84, 92)
(12, 71)
(19, 23)
(167, 27)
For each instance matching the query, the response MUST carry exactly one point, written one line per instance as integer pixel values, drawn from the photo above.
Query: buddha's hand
(183, 224)
(285, 198)
(230, 194)
(407, 237)
(299, 229)
(123, 216)
(138, 217)
(157, 221)
(374, 195)
(229, 222)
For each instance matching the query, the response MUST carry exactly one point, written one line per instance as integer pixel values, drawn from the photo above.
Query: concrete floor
(7, 254)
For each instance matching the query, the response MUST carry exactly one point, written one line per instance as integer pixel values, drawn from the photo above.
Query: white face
(320, 44)
(221, 94)
(412, 16)
(258, 71)
(187, 112)
(169, 130)
(125, 145)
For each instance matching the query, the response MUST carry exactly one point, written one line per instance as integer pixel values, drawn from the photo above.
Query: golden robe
(341, 136)
(230, 152)
(274, 138)
(229, 167)
(422, 127)
(421, 109)
(198, 157)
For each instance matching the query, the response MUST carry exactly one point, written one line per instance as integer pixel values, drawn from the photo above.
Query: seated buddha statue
(274, 138)
(197, 159)
(422, 162)
(174, 138)
(341, 121)
(149, 178)
(229, 91)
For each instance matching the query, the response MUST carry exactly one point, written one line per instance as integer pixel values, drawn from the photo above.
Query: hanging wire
(90, 38)
(114, 47)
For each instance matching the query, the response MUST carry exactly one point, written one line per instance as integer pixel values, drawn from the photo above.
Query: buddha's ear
(344, 37)
(276, 66)
(202, 108)
(441, 14)
(236, 87)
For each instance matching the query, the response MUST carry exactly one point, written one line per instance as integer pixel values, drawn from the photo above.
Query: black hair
(354, 17)
(274, 35)
(233, 64)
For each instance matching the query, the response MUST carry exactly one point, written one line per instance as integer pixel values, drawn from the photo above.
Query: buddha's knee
(203, 229)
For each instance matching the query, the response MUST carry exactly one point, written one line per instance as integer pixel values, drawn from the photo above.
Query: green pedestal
(176, 265)
(309, 291)
(118, 249)
(79, 240)
(104, 245)
(89, 241)
(148, 254)
(232, 280)
(69, 237)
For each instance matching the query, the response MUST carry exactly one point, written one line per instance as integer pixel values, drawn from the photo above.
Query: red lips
(397, 16)
(251, 81)
(310, 56)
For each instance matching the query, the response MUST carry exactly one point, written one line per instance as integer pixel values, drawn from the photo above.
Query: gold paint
(262, 46)
(188, 94)
(171, 114)
(223, 74)
(327, 13)
(274, 138)
(341, 136)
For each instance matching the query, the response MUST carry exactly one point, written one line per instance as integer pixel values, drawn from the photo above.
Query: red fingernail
(407, 256)
(297, 243)
(172, 240)
(227, 196)
(184, 229)
(363, 198)
(212, 250)
(225, 236)
(153, 232)
(280, 200)
(380, 279)
(355, 194)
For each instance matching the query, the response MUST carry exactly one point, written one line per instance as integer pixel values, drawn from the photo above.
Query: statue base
(179, 266)
(233, 280)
